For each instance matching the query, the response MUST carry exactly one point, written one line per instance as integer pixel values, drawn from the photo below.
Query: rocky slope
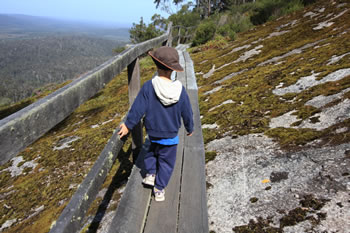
(275, 115)
(276, 119)
(36, 185)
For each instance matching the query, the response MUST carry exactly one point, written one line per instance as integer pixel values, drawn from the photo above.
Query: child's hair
(160, 65)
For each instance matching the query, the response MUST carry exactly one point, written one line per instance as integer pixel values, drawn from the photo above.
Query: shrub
(219, 42)
(204, 33)
(140, 32)
(238, 23)
(271, 9)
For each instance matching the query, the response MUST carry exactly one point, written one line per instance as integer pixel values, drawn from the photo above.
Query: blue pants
(160, 160)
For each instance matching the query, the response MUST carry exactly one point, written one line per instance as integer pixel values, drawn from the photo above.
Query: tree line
(215, 18)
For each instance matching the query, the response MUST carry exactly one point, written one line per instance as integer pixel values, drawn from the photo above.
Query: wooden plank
(191, 78)
(133, 206)
(162, 216)
(25, 126)
(181, 75)
(71, 218)
(193, 212)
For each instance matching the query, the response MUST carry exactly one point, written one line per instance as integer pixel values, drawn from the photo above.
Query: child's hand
(123, 130)
(190, 134)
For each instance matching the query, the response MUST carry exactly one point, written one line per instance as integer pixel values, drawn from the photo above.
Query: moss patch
(309, 205)
(251, 88)
(209, 156)
(38, 94)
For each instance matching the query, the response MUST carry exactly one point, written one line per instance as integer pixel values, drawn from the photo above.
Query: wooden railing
(22, 128)
(183, 35)
(72, 216)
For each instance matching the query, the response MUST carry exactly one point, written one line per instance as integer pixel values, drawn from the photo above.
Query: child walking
(163, 102)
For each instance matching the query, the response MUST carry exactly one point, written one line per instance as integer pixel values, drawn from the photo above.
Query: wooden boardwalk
(185, 205)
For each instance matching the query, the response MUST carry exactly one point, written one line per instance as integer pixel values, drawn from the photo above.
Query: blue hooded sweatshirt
(163, 103)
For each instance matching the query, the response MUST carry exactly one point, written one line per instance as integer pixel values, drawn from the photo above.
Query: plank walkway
(185, 205)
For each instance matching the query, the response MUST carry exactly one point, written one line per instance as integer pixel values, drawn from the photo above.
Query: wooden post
(134, 88)
(186, 35)
(169, 41)
(179, 36)
(170, 38)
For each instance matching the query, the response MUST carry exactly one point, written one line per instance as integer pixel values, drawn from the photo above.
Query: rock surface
(252, 177)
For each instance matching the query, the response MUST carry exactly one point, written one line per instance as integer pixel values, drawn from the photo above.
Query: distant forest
(30, 60)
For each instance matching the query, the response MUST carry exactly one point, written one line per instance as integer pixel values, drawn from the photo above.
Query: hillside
(275, 113)
(38, 183)
(275, 116)
(27, 64)
(36, 51)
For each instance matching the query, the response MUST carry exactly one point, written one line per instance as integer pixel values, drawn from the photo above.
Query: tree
(185, 16)
(158, 2)
(140, 32)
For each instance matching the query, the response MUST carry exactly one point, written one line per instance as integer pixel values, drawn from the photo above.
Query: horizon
(69, 20)
(105, 12)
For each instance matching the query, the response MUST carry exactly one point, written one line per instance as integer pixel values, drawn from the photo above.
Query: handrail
(186, 37)
(22, 128)
(71, 218)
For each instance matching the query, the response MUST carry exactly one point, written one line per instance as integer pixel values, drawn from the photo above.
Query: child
(163, 102)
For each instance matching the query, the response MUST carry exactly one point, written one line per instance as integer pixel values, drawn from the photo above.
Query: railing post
(134, 88)
(169, 41)
(186, 34)
(179, 36)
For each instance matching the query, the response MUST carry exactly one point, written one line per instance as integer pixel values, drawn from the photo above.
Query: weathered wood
(193, 203)
(191, 79)
(193, 213)
(179, 36)
(133, 79)
(162, 216)
(181, 75)
(71, 218)
(169, 42)
(133, 206)
(25, 126)
(134, 88)
(184, 208)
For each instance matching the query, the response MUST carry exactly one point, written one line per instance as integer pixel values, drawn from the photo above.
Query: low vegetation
(59, 172)
(250, 89)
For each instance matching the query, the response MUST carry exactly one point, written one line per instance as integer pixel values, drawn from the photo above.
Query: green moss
(60, 171)
(252, 90)
(209, 135)
(309, 205)
(259, 226)
(42, 92)
(209, 156)
(309, 201)
(294, 216)
(288, 137)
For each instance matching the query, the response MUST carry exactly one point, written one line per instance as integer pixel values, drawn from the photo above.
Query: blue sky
(124, 12)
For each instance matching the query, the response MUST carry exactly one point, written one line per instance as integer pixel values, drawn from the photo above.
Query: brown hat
(168, 57)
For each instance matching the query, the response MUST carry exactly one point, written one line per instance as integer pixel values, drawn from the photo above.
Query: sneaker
(159, 195)
(149, 179)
